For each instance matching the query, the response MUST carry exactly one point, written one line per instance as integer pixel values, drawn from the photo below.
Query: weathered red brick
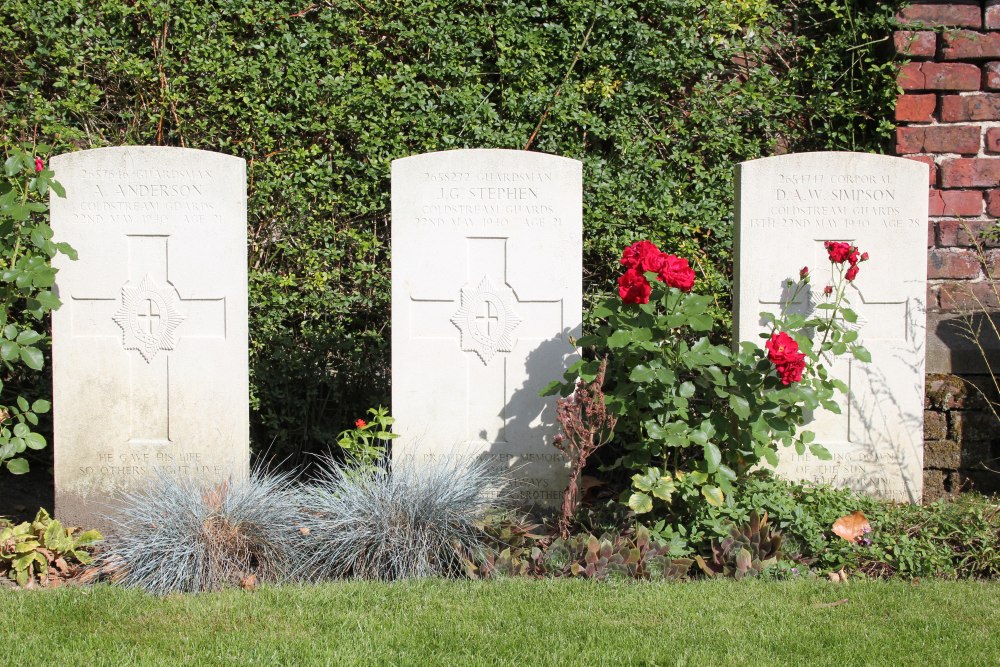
(942, 454)
(981, 106)
(993, 203)
(952, 263)
(991, 17)
(991, 76)
(965, 296)
(938, 139)
(939, 76)
(954, 202)
(916, 108)
(969, 45)
(916, 43)
(975, 172)
(965, 233)
(932, 15)
(935, 425)
(931, 167)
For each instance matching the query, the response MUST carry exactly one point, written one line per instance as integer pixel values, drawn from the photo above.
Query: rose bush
(695, 416)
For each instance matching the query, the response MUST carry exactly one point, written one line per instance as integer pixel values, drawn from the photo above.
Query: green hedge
(659, 98)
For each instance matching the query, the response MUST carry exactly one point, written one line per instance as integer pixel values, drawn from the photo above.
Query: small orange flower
(361, 423)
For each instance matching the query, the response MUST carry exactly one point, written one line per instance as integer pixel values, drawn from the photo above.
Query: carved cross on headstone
(489, 320)
(148, 316)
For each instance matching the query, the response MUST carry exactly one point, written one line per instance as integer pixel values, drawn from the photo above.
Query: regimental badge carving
(485, 320)
(149, 316)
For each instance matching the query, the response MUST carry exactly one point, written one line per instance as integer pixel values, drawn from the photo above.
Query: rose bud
(828, 290)
(804, 272)
(39, 165)
(864, 257)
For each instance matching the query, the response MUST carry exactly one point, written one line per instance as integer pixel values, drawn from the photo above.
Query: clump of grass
(405, 520)
(179, 534)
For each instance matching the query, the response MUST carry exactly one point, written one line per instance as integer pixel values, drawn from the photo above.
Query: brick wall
(948, 117)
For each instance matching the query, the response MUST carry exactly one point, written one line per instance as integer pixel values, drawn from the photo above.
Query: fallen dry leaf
(852, 526)
(249, 582)
(303, 530)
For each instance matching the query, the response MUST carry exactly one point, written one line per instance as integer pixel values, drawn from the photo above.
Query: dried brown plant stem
(586, 427)
(971, 329)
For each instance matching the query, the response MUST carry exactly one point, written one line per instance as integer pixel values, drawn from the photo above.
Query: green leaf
(57, 188)
(713, 495)
(35, 441)
(849, 315)
(770, 456)
(740, 406)
(620, 338)
(21, 430)
(820, 452)
(32, 358)
(642, 373)
(862, 354)
(686, 390)
(28, 337)
(640, 503)
(713, 456)
(12, 165)
(18, 466)
(9, 350)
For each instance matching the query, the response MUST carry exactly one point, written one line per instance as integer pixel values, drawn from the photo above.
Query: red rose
(828, 290)
(633, 287)
(792, 371)
(854, 257)
(676, 272)
(642, 255)
(361, 423)
(781, 348)
(783, 352)
(852, 272)
(864, 257)
(803, 272)
(839, 252)
(39, 164)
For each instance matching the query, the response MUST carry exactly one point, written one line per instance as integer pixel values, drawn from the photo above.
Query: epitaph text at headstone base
(788, 206)
(486, 295)
(150, 365)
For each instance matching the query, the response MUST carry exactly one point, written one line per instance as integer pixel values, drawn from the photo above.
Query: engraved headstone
(787, 207)
(150, 366)
(486, 293)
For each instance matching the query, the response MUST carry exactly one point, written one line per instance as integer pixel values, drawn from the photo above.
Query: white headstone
(486, 293)
(787, 206)
(150, 366)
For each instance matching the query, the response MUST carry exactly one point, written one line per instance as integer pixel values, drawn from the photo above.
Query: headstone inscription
(787, 207)
(486, 293)
(150, 365)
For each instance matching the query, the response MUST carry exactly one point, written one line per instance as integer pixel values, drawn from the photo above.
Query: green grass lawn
(514, 622)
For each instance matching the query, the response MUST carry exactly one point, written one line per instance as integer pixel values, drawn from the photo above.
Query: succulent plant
(747, 551)
(42, 550)
(614, 556)
(515, 548)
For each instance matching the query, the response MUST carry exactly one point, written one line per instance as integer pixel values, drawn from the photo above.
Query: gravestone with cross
(486, 293)
(150, 369)
(787, 207)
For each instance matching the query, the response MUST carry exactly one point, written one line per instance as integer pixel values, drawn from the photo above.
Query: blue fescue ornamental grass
(406, 520)
(179, 534)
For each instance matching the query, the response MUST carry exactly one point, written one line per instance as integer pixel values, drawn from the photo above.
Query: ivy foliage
(658, 98)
